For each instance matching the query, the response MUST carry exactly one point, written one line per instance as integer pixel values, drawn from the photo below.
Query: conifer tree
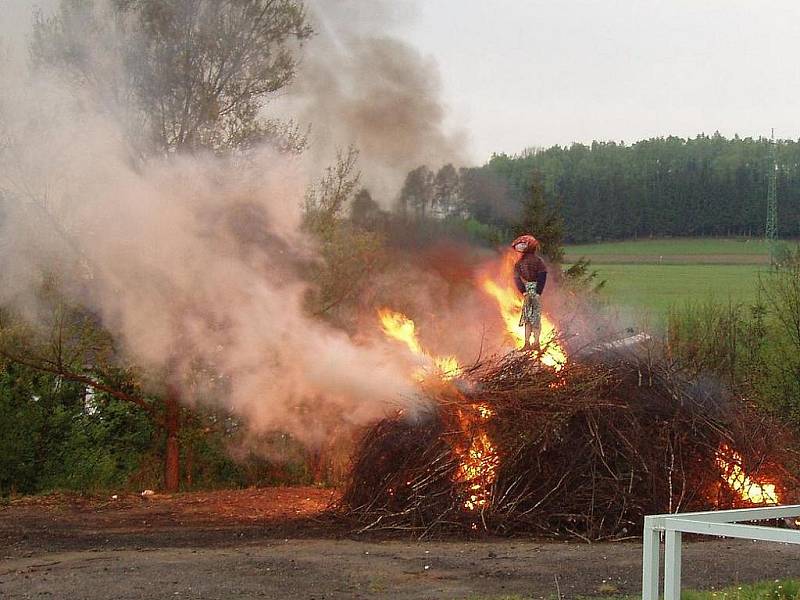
(542, 220)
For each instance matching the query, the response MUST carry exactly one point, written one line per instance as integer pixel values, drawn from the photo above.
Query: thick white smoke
(183, 259)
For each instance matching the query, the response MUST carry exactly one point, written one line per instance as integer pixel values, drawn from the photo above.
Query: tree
(487, 198)
(364, 211)
(755, 348)
(417, 192)
(706, 185)
(543, 221)
(187, 75)
(55, 434)
(348, 254)
(781, 293)
(446, 191)
(181, 76)
(55, 367)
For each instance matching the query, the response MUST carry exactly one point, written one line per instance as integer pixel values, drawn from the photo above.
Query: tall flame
(479, 461)
(479, 458)
(501, 288)
(399, 327)
(730, 464)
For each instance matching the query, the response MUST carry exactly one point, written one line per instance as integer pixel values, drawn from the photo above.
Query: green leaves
(347, 253)
(56, 434)
(194, 73)
(668, 186)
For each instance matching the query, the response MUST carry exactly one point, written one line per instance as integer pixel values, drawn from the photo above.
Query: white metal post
(650, 560)
(726, 523)
(672, 565)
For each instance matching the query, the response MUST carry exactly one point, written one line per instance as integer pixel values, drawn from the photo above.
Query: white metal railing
(725, 523)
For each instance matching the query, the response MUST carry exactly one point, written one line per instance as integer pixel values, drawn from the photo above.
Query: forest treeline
(703, 186)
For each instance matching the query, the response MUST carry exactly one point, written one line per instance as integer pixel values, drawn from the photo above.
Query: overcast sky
(534, 73)
(520, 73)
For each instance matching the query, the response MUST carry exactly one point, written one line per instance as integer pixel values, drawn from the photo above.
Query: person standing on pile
(530, 276)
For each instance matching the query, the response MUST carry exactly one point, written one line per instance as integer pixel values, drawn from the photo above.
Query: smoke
(194, 264)
(15, 24)
(363, 86)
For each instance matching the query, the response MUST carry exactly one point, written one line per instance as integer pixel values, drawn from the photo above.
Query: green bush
(755, 349)
(55, 436)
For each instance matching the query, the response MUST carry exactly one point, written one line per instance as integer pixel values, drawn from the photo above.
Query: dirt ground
(279, 543)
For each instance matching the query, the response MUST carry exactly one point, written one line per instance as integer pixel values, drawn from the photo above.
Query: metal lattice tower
(772, 203)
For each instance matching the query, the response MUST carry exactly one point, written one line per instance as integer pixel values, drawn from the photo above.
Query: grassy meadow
(675, 250)
(648, 276)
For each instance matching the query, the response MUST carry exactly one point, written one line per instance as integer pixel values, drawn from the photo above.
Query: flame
(730, 464)
(501, 288)
(448, 366)
(479, 461)
(399, 327)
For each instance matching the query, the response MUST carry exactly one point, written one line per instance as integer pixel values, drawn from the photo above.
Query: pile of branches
(586, 451)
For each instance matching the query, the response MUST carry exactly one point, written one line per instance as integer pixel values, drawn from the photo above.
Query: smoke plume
(363, 86)
(187, 261)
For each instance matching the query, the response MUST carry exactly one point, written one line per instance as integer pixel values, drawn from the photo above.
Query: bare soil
(282, 543)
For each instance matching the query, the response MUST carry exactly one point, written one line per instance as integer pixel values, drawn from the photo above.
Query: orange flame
(399, 327)
(730, 464)
(479, 462)
(448, 366)
(501, 288)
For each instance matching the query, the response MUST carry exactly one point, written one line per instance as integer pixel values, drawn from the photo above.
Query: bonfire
(547, 444)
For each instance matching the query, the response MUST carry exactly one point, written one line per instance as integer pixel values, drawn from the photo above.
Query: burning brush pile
(537, 443)
(586, 450)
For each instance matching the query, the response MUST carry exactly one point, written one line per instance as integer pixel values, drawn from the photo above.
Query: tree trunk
(172, 424)
(316, 463)
(188, 465)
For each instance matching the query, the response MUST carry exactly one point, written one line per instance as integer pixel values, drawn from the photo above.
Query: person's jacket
(530, 267)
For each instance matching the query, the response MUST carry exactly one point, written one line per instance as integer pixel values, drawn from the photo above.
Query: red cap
(528, 239)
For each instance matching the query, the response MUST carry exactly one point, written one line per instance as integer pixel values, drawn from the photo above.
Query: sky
(532, 73)
(517, 74)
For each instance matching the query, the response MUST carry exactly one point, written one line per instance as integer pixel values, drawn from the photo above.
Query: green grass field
(649, 276)
(733, 249)
(657, 287)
